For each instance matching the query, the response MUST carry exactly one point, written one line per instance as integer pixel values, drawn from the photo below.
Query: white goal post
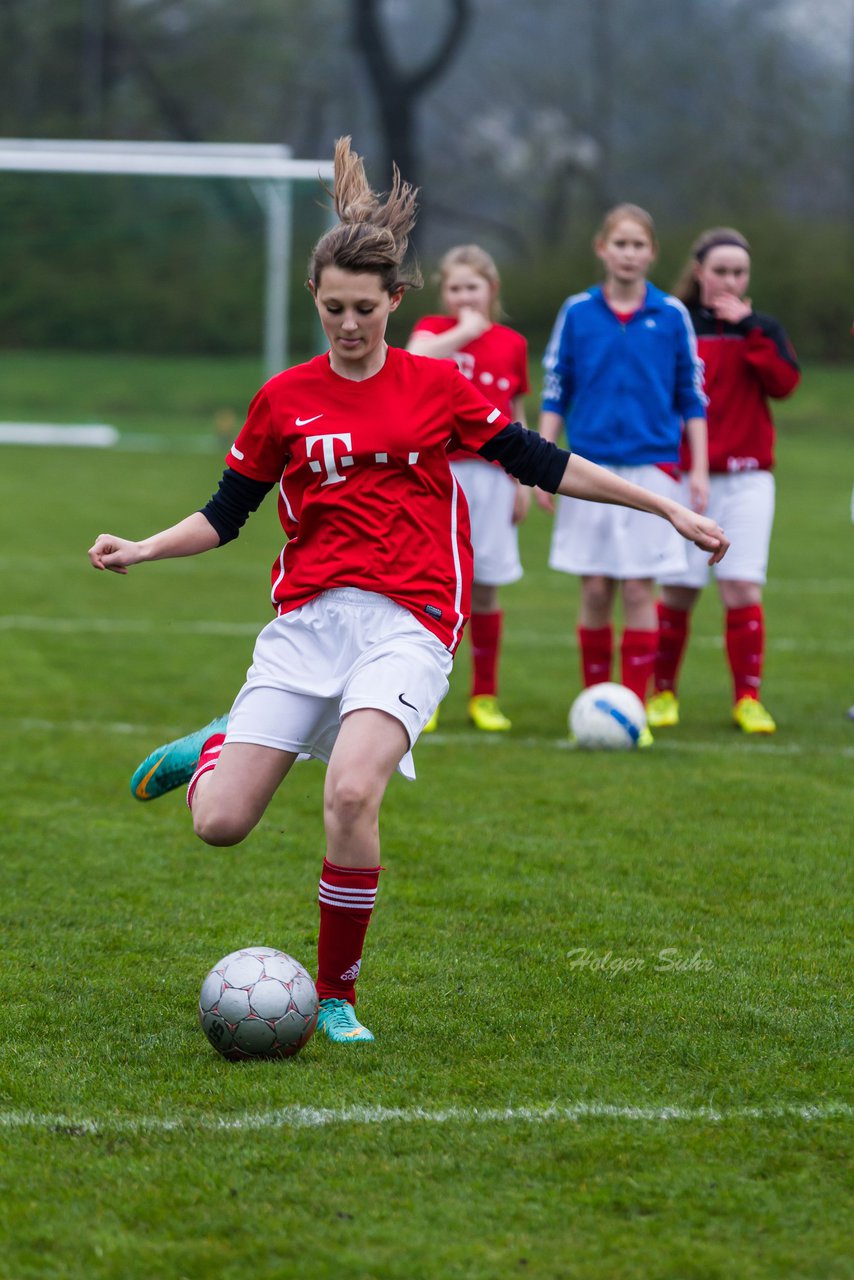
(271, 170)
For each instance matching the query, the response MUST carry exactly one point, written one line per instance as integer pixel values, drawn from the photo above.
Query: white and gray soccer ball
(258, 1003)
(607, 717)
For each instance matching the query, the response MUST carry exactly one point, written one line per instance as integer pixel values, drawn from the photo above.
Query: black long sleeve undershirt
(522, 453)
(527, 456)
(229, 508)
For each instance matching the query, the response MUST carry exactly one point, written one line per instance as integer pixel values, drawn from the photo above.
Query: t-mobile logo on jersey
(330, 464)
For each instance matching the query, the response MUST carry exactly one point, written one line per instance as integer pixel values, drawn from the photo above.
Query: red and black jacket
(745, 365)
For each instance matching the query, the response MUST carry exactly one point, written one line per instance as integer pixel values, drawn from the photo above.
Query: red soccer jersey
(366, 495)
(496, 362)
(745, 364)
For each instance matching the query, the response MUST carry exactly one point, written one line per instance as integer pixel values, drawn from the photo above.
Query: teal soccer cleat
(173, 764)
(337, 1018)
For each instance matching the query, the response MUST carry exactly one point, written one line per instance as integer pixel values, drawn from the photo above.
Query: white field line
(126, 626)
(22, 559)
(299, 1117)
(738, 745)
(212, 627)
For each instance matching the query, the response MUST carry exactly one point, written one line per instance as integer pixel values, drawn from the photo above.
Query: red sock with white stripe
(207, 761)
(485, 633)
(745, 648)
(346, 896)
(673, 628)
(596, 646)
(637, 659)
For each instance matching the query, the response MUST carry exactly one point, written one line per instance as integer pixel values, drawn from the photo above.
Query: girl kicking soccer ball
(372, 589)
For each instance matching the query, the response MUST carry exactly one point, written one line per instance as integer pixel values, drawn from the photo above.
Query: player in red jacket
(495, 359)
(748, 359)
(372, 588)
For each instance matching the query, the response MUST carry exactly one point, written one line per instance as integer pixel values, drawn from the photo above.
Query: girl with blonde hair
(494, 358)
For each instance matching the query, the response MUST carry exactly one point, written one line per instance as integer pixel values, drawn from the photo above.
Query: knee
(598, 594)
(638, 592)
(221, 830)
(739, 595)
(351, 800)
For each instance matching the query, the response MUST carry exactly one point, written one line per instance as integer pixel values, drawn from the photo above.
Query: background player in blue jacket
(623, 378)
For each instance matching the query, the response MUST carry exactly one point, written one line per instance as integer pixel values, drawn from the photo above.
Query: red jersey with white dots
(366, 494)
(496, 363)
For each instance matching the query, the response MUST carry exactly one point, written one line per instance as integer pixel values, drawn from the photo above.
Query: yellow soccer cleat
(751, 717)
(662, 710)
(433, 723)
(645, 738)
(485, 714)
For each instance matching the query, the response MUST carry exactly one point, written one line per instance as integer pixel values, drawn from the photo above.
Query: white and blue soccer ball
(258, 1003)
(607, 717)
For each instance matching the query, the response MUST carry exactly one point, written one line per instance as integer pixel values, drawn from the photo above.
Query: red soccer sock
(745, 647)
(637, 659)
(207, 761)
(596, 645)
(346, 896)
(674, 626)
(485, 632)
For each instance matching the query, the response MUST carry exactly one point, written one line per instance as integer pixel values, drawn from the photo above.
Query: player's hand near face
(471, 324)
(731, 309)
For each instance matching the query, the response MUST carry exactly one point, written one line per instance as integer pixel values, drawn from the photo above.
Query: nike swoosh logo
(238, 455)
(401, 698)
(303, 422)
(141, 793)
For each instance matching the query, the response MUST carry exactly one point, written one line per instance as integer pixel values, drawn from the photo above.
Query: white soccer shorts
(343, 651)
(743, 505)
(490, 494)
(592, 538)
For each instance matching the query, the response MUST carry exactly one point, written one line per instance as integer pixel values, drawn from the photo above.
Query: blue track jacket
(624, 390)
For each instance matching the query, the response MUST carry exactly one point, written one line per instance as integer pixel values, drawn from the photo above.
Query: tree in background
(396, 88)
(520, 121)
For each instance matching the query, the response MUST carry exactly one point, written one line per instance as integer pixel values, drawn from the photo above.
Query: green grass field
(611, 994)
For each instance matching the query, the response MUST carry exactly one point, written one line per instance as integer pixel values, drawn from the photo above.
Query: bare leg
(683, 598)
(484, 598)
(231, 799)
(369, 747)
(639, 612)
(597, 601)
(739, 595)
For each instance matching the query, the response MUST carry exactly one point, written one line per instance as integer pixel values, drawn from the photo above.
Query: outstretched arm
(583, 479)
(188, 538)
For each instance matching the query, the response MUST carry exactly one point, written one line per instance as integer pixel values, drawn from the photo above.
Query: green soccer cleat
(173, 764)
(485, 714)
(751, 717)
(662, 710)
(337, 1018)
